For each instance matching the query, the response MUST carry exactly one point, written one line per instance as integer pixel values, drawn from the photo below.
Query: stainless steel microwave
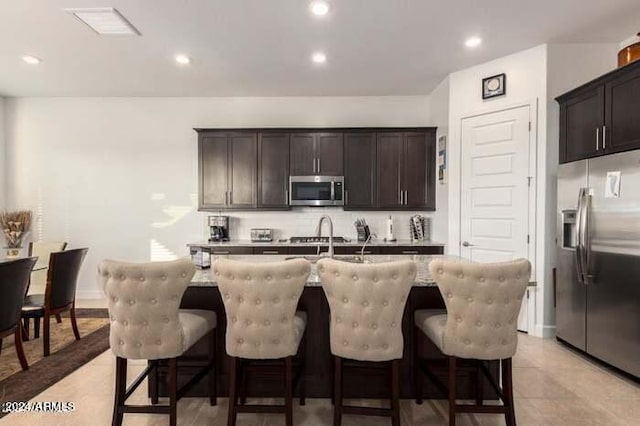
(316, 190)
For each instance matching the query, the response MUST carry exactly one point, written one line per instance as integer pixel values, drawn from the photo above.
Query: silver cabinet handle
(270, 252)
(406, 197)
(409, 251)
(597, 139)
(220, 252)
(346, 197)
(604, 137)
(467, 244)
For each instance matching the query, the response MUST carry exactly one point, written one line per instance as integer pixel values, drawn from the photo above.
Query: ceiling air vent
(104, 20)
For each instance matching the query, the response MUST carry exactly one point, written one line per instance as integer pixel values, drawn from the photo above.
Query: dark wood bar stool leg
(507, 390)
(233, 391)
(155, 382)
(213, 372)
(36, 328)
(452, 391)
(288, 390)
(121, 388)
(417, 376)
(395, 393)
(337, 392)
(173, 392)
(58, 318)
(479, 384)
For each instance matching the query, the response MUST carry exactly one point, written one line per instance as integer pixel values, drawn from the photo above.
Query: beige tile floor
(553, 386)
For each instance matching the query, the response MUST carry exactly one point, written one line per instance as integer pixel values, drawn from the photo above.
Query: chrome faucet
(319, 232)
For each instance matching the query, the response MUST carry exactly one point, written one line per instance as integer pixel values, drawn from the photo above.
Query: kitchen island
(203, 294)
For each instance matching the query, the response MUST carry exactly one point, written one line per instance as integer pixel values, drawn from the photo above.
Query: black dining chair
(14, 278)
(59, 295)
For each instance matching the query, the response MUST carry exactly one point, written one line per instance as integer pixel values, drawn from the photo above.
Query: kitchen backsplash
(303, 222)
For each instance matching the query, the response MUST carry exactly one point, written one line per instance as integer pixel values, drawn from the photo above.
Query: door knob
(467, 244)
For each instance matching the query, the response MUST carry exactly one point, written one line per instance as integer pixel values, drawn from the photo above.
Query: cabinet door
(329, 149)
(623, 113)
(359, 170)
(389, 150)
(213, 171)
(243, 170)
(302, 159)
(419, 171)
(581, 121)
(273, 170)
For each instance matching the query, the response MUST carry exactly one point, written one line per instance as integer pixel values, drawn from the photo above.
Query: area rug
(67, 355)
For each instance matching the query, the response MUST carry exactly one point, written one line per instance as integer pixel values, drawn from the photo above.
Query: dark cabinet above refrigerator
(601, 116)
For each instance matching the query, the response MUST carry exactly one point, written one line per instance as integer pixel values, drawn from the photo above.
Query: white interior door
(495, 189)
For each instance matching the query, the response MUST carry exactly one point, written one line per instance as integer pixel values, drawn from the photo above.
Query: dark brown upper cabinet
(406, 170)
(360, 170)
(622, 121)
(581, 121)
(273, 170)
(227, 170)
(316, 154)
(384, 169)
(602, 116)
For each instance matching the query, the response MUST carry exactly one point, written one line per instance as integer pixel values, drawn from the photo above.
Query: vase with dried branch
(15, 226)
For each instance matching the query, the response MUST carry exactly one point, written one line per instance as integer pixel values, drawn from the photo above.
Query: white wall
(3, 166)
(439, 100)
(119, 175)
(526, 84)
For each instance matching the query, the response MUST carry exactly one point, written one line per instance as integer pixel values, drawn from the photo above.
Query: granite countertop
(204, 277)
(277, 243)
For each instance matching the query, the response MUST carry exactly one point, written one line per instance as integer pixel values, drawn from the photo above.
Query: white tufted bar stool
(367, 304)
(260, 301)
(147, 323)
(483, 301)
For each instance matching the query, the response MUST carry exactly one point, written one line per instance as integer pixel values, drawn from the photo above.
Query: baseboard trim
(544, 331)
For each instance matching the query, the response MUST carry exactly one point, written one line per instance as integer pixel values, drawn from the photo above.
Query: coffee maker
(218, 228)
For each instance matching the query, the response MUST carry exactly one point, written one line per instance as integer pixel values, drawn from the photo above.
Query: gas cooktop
(306, 240)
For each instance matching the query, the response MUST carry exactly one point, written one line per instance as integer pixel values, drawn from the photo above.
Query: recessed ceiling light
(473, 42)
(183, 59)
(319, 58)
(104, 20)
(319, 8)
(31, 60)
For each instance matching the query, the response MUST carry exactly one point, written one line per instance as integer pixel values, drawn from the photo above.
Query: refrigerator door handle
(578, 259)
(586, 244)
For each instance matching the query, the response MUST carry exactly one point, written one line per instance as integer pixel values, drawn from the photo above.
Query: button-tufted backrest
(483, 302)
(260, 301)
(143, 301)
(367, 302)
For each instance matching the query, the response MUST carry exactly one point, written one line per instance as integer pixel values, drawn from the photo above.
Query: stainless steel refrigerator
(598, 263)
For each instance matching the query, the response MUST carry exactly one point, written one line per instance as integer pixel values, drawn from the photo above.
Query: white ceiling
(263, 47)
